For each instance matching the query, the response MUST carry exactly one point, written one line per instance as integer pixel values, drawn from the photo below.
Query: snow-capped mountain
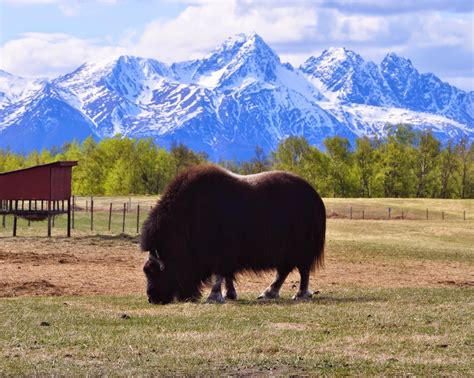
(237, 97)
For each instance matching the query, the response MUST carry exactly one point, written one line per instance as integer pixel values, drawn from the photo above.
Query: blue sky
(50, 37)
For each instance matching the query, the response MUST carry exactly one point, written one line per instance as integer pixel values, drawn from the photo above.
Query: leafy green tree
(465, 161)
(88, 176)
(397, 155)
(155, 167)
(259, 163)
(364, 157)
(447, 168)
(118, 180)
(426, 155)
(185, 157)
(340, 166)
(294, 154)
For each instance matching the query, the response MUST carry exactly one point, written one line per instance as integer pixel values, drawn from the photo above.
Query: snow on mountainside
(238, 96)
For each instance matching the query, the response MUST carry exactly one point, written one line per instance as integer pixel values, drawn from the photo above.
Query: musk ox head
(161, 285)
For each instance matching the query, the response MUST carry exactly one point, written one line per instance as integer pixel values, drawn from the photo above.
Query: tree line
(403, 164)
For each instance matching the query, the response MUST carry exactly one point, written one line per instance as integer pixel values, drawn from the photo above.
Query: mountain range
(237, 97)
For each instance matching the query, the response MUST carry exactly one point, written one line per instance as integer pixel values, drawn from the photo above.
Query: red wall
(37, 183)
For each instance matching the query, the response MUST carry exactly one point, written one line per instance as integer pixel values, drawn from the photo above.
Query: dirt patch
(457, 283)
(94, 265)
(39, 287)
(289, 326)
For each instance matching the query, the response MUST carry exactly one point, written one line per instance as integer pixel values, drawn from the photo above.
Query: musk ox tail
(320, 236)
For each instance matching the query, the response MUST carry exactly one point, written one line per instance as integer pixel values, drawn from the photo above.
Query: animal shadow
(317, 299)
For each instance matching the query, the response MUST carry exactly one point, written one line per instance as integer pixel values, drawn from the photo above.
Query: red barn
(38, 192)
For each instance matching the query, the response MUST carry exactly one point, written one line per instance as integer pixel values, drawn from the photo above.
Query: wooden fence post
(402, 214)
(426, 214)
(138, 219)
(464, 214)
(363, 214)
(123, 220)
(389, 213)
(442, 215)
(110, 215)
(92, 214)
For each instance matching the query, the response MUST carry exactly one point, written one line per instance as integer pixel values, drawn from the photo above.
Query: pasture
(395, 298)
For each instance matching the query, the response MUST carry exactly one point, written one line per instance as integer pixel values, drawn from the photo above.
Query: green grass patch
(402, 241)
(361, 332)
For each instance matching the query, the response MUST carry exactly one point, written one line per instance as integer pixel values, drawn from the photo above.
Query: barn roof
(65, 163)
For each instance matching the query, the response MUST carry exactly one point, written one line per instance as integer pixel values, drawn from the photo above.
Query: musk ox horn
(156, 258)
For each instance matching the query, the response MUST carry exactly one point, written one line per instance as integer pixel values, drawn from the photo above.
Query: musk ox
(211, 222)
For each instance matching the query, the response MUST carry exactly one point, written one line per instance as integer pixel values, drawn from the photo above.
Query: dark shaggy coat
(210, 221)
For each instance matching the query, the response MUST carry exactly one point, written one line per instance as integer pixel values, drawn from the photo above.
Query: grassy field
(373, 208)
(396, 298)
(352, 331)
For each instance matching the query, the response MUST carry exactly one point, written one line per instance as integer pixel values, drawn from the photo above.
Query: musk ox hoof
(215, 298)
(231, 295)
(302, 295)
(269, 294)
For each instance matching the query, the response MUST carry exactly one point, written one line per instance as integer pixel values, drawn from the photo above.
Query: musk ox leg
(273, 291)
(230, 289)
(216, 293)
(303, 292)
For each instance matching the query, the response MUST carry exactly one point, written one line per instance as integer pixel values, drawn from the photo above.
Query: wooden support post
(69, 218)
(402, 214)
(29, 209)
(442, 215)
(363, 214)
(49, 217)
(389, 213)
(15, 219)
(110, 215)
(4, 221)
(92, 214)
(464, 214)
(123, 221)
(138, 219)
(73, 206)
(426, 214)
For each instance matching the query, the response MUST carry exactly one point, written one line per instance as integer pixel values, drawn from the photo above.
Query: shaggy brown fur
(210, 221)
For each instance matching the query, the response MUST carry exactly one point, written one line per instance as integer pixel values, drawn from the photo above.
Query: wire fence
(125, 215)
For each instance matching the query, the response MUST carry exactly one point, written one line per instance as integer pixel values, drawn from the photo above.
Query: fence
(395, 213)
(124, 215)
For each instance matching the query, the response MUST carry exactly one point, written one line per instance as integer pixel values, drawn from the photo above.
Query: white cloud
(200, 27)
(41, 54)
